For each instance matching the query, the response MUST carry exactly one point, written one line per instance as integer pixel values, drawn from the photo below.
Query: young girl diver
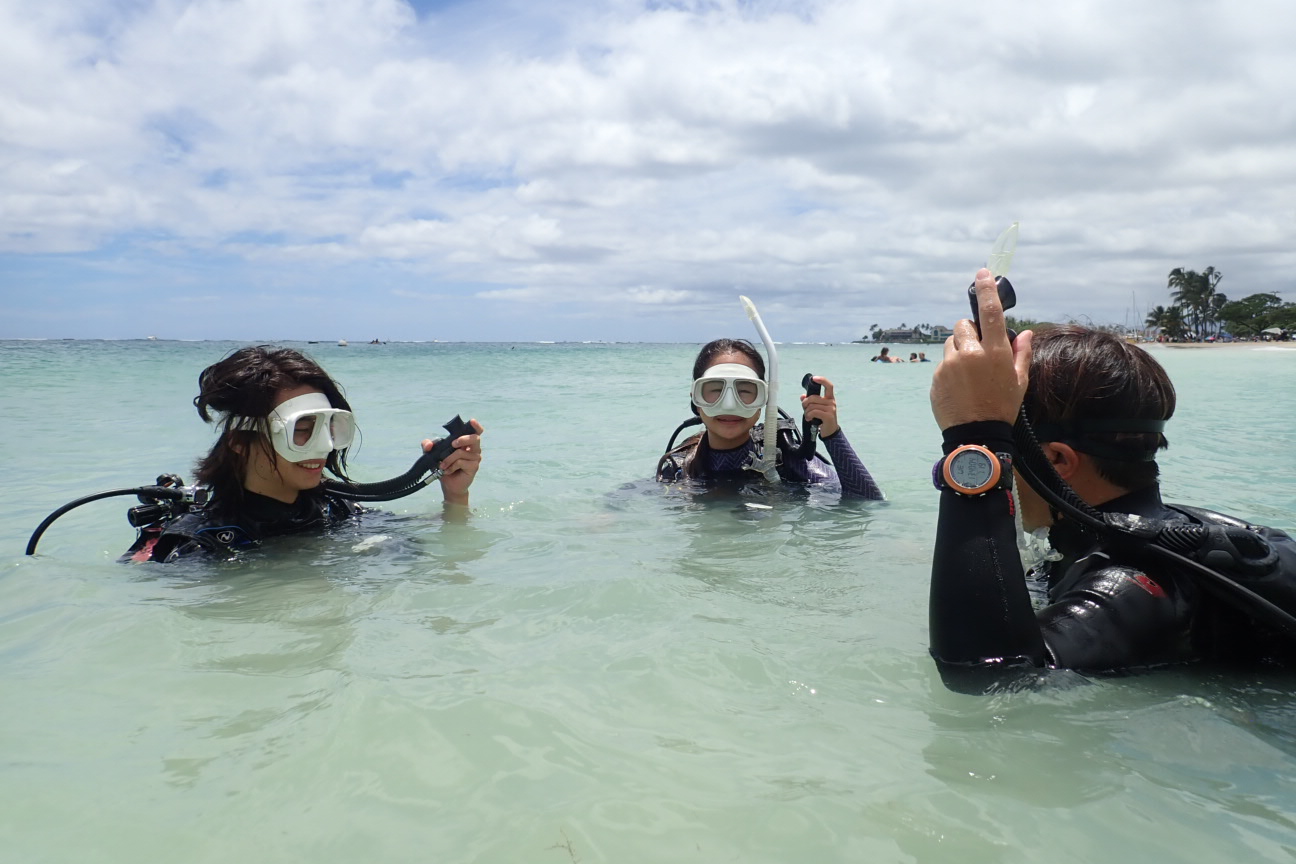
(729, 392)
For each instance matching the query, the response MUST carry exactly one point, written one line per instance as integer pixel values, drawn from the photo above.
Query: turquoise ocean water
(590, 669)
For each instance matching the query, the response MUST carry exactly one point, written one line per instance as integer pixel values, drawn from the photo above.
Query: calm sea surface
(590, 669)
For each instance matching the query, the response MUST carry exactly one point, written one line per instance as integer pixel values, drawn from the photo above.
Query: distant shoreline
(1221, 346)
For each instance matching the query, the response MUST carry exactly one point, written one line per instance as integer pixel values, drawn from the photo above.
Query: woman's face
(727, 431)
(272, 475)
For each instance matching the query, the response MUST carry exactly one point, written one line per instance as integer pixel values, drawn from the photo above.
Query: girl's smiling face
(272, 475)
(727, 431)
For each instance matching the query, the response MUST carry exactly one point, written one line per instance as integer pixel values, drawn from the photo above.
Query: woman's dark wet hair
(1080, 375)
(242, 388)
(705, 360)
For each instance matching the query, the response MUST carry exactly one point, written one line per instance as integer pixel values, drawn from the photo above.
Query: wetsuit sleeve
(855, 478)
(979, 610)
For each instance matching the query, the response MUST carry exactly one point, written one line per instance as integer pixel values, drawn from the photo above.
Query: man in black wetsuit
(1098, 406)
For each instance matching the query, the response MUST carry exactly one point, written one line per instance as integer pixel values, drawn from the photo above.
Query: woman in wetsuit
(728, 395)
(283, 422)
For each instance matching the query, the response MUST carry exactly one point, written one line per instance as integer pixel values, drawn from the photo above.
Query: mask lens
(747, 391)
(342, 429)
(303, 429)
(711, 391)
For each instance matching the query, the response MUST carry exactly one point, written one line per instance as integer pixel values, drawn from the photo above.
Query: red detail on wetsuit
(1012, 505)
(145, 552)
(1149, 586)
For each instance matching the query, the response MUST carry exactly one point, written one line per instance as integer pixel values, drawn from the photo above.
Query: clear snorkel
(767, 464)
(1001, 253)
(998, 262)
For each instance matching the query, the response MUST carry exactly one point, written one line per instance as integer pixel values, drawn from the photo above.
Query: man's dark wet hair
(243, 387)
(1104, 397)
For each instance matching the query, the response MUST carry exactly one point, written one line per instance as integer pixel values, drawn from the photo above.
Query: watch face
(971, 469)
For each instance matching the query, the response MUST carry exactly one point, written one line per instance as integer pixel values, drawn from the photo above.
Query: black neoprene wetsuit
(201, 531)
(1102, 610)
(846, 467)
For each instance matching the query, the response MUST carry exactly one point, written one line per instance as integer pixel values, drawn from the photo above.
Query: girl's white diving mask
(308, 427)
(729, 389)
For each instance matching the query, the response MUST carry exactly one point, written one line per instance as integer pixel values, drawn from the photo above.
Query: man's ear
(1063, 457)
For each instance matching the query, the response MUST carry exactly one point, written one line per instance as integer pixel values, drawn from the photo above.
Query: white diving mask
(730, 389)
(308, 427)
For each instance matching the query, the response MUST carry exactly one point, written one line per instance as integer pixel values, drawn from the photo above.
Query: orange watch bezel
(995, 476)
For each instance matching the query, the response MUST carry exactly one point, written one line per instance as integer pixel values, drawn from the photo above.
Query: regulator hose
(147, 494)
(426, 469)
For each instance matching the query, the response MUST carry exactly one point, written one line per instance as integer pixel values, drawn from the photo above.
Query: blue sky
(328, 169)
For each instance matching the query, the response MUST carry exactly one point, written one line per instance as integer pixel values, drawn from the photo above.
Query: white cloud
(551, 153)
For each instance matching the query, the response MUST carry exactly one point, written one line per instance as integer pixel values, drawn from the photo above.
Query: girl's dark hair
(716, 347)
(705, 360)
(1079, 375)
(240, 390)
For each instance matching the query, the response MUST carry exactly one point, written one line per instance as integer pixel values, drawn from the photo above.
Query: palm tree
(1217, 302)
(1185, 291)
(1168, 320)
(1194, 292)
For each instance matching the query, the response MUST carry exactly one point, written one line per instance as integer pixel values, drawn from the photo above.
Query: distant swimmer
(884, 356)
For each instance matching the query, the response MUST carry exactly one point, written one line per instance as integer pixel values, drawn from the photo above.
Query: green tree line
(1199, 310)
